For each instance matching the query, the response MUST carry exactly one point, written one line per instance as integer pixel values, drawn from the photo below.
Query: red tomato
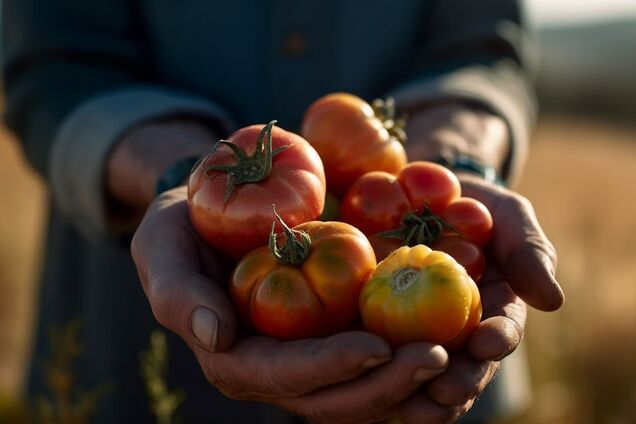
(376, 202)
(231, 191)
(353, 138)
(307, 288)
(467, 253)
(471, 218)
(429, 184)
(417, 294)
(379, 202)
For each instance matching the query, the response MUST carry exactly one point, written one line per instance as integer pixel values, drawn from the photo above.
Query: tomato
(470, 218)
(379, 201)
(417, 294)
(376, 202)
(310, 286)
(467, 253)
(474, 318)
(429, 184)
(353, 138)
(231, 191)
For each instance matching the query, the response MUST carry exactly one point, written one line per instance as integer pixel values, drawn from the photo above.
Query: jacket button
(294, 44)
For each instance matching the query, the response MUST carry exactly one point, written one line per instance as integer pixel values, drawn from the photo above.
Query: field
(580, 176)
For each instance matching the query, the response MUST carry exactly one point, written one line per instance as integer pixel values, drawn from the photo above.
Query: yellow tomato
(418, 294)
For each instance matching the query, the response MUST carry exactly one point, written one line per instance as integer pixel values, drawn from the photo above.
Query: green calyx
(247, 169)
(385, 111)
(296, 247)
(422, 228)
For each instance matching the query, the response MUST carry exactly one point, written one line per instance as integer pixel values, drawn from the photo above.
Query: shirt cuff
(85, 137)
(497, 87)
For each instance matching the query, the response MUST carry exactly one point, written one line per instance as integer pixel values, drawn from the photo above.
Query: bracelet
(469, 164)
(176, 174)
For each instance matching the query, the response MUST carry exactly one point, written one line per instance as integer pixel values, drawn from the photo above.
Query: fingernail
(205, 326)
(425, 374)
(374, 362)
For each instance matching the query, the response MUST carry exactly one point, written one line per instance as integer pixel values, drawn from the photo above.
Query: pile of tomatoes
(258, 197)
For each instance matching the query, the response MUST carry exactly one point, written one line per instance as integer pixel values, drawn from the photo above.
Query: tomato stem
(385, 111)
(419, 229)
(247, 169)
(296, 247)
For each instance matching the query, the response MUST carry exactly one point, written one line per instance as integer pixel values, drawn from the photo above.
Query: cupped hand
(349, 377)
(520, 267)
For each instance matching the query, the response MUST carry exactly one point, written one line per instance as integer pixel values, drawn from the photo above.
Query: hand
(520, 263)
(452, 127)
(142, 154)
(350, 377)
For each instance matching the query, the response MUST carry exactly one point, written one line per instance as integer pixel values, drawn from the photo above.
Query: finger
(464, 379)
(521, 247)
(261, 368)
(501, 330)
(182, 299)
(371, 396)
(421, 409)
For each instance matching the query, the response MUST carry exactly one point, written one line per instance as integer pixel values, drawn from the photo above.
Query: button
(294, 44)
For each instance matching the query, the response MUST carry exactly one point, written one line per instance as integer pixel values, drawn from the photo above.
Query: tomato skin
(474, 318)
(350, 139)
(471, 218)
(376, 202)
(315, 299)
(429, 184)
(465, 252)
(417, 294)
(296, 185)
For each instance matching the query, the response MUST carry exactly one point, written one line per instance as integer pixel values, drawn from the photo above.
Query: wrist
(143, 154)
(455, 131)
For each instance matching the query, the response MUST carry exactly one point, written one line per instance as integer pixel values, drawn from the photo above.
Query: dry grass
(581, 178)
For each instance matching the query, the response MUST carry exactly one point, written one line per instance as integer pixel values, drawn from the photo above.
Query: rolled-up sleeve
(76, 77)
(480, 52)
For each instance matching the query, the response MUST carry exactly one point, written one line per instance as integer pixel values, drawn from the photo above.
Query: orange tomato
(353, 138)
(310, 286)
(230, 191)
(417, 294)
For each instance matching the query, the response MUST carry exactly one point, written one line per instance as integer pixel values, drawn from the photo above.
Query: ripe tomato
(310, 286)
(230, 192)
(474, 318)
(467, 253)
(353, 138)
(471, 218)
(417, 294)
(379, 201)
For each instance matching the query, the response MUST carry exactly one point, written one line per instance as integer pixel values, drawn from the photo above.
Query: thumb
(166, 253)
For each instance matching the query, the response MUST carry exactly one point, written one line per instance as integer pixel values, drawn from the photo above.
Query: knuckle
(448, 395)
(162, 302)
(520, 202)
(215, 378)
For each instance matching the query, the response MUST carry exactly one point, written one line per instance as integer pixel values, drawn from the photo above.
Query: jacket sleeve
(477, 51)
(76, 76)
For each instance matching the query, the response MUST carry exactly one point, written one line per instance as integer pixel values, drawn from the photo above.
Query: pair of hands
(350, 377)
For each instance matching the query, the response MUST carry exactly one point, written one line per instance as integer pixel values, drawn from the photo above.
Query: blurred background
(580, 176)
